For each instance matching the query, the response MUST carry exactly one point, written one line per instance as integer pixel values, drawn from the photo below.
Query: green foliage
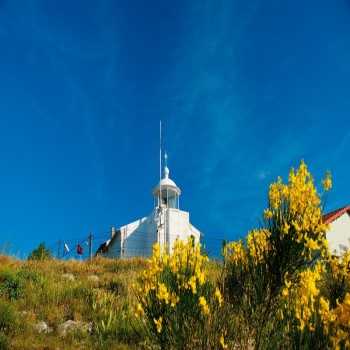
(112, 320)
(40, 253)
(11, 284)
(117, 287)
(8, 320)
(4, 342)
(37, 290)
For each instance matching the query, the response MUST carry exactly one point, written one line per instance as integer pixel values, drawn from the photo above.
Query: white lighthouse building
(164, 225)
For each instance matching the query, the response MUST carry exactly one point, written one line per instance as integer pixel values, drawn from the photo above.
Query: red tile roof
(333, 215)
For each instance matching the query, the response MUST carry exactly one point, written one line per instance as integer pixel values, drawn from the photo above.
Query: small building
(338, 235)
(164, 225)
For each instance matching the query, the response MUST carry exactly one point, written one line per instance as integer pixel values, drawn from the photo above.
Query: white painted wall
(138, 237)
(338, 235)
(179, 226)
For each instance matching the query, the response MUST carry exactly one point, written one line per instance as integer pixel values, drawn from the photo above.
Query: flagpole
(90, 246)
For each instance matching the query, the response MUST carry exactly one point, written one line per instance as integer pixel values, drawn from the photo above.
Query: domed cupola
(167, 191)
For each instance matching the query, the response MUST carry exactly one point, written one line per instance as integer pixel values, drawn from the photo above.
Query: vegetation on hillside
(279, 288)
(40, 253)
(97, 294)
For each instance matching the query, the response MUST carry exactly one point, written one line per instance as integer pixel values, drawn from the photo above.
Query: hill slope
(38, 298)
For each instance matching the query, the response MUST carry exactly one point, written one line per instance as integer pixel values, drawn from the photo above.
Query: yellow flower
(222, 342)
(174, 299)
(203, 304)
(258, 244)
(304, 297)
(286, 228)
(311, 244)
(139, 310)
(201, 277)
(158, 323)
(235, 253)
(218, 296)
(163, 293)
(327, 182)
(285, 292)
(268, 214)
(192, 284)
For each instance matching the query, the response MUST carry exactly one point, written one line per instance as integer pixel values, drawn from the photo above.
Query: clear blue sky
(245, 89)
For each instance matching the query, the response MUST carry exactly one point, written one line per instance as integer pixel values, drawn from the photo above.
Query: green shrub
(29, 275)
(11, 284)
(8, 320)
(116, 287)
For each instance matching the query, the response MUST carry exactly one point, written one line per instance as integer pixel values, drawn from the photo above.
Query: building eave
(335, 214)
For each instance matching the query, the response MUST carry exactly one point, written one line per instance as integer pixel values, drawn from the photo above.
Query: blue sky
(245, 89)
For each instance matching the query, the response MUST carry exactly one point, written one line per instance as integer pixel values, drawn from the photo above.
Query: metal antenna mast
(159, 224)
(160, 150)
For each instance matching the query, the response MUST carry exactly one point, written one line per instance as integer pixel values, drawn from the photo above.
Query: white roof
(167, 183)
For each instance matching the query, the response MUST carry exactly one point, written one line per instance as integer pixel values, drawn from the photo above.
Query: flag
(79, 249)
(66, 248)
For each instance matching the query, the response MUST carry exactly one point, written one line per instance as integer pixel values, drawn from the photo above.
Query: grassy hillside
(279, 288)
(99, 295)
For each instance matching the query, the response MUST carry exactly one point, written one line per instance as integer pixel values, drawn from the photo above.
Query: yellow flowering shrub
(277, 261)
(302, 297)
(258, 244)
(317, 308)
(297, 212)
(235, 253)
(334, 308)
(339, 324)
(338, 278)
(279, 287)
(177, 303)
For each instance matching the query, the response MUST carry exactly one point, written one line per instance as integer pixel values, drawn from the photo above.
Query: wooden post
(59, 249)
(90, 246)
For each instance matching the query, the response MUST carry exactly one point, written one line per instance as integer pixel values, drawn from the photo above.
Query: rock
(42, 327)
(93, 278)
(68, 276)
(72, 326)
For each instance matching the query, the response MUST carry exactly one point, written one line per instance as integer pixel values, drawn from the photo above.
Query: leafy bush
(117, 287)
(11, 284)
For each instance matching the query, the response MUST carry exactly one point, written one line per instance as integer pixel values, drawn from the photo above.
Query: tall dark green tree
(40, 253)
